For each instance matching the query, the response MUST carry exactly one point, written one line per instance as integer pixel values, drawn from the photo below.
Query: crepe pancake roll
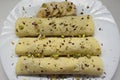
(66, 26)
(87, 46)
(83, 65)
(56, 9)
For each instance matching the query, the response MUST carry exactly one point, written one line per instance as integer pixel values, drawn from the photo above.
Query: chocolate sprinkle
(51, 30)
(72, 43)
(33, 71)
(19, 43)
(82, 9)
(16, 30)
(26, 67)
(62, 43)
(93, 65)
(101, 44)
(41, 70)
(82, 18)
(34, 23)
(49, 41)
(65, 24)
(61, 23)
(61, 68)
(50, 23)
(12, 64)
(88, 17)
(24, 58)
(66, 29)
(23, 22)
(29, 5)
(55, 65)
(86, 65)
(73, 26)
(98, 69)
(100, 29)
(87, 25)
(82, 46)
(39, 63)
(82, 13)
(86, 38)
(87, 7)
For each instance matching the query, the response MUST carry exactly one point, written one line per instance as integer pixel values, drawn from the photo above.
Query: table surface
(7, 5)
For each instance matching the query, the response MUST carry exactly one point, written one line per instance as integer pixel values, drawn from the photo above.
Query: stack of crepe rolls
(58, 52)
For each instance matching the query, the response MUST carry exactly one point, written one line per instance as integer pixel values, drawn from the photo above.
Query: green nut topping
(38, 22)
(37, 55)
(44, 5)
(69, 8)
(62, 36)
(38, 31)
(21, 27)
(43, 36)
(29, 55)
(68, 55)
(76, 55)
(79, 36)
(55, 55)
(83, 35)
(88, 56)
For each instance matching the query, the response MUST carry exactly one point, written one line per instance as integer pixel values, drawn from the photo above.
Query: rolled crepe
(56, 9)
(83, 65)
(58, 46)
(66, 26)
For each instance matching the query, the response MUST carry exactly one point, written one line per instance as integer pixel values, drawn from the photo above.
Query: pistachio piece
(69, 8)
(29, 55)
(43, 36)
(44, 5)
(55, 55)
(79, 36)
(68, 55)
(62, 36)
(38, 22)
(21, 27)
(76, 55)
(88, 56)
(83, 35)
(37, 55)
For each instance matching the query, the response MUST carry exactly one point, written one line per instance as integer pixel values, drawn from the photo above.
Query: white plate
(108, 36)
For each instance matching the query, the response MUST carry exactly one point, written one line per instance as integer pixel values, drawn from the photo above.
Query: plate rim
(19, 2)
